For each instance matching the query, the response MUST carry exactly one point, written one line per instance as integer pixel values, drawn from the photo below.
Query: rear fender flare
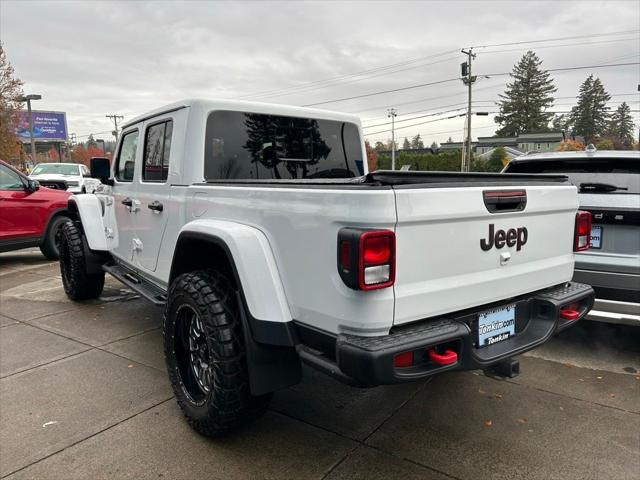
(253, 263)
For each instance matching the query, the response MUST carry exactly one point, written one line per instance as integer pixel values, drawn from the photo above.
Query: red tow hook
(569, 314)
(448, 358)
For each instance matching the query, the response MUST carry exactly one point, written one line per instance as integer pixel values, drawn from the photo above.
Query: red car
(30, 215)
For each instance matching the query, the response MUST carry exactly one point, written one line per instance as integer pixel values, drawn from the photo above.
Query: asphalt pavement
(84, 394)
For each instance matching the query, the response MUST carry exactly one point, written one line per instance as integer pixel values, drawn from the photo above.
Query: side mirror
(32, 186)
(101, 169)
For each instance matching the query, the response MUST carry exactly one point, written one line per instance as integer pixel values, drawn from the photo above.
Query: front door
(125, 204)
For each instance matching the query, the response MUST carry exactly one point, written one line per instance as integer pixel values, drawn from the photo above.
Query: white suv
(76, 176)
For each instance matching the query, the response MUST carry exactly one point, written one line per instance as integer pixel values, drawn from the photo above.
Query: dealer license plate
(596, 237)
(496, 325)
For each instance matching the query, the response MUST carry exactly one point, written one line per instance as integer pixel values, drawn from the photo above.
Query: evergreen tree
(406, 145)
(621, 124)
(434, 145)
(590, 117)
(416, 142)
(379, 146)
(524, 103)
(559, 122)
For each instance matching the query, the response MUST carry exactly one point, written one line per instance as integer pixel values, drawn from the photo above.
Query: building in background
(527, 142)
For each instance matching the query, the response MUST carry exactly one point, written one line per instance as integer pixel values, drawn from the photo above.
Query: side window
(10, 180)
(85, 171)
(127, 156)
(157, 149)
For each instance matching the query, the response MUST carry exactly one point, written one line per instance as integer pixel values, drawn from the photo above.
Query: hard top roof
(252, 107)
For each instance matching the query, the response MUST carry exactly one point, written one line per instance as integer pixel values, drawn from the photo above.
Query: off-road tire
(228, 404)
(78, 284)
(49, 246)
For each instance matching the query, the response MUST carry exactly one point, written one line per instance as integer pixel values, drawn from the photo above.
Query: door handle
(127, 202)
(156, 206)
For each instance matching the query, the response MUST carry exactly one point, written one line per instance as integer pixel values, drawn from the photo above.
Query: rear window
(243, 146)
(622, 173)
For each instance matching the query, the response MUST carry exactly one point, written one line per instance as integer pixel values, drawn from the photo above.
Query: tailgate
(441, 266)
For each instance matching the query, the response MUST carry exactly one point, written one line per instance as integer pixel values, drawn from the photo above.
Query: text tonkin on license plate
(496, 325)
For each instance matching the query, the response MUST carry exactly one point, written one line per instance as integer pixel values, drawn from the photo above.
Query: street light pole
(393, 114)
(28, 98)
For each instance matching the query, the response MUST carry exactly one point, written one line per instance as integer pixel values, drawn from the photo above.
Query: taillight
(582, 231)
(366, 258)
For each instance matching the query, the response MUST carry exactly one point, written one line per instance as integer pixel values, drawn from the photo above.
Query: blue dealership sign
(47, 126)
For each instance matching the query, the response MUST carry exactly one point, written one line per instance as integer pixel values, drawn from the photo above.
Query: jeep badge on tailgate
(511, 237)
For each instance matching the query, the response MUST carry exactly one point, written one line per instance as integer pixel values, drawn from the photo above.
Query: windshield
(56, 168)
(256, 146)
(592, 175)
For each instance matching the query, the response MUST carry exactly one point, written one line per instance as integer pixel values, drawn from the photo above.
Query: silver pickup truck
(609, 187)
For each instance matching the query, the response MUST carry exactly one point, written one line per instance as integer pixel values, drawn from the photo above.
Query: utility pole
(115, 123)
(468, 80)
(392, 114)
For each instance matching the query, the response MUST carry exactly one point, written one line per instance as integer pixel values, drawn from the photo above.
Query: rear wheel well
(198, 253)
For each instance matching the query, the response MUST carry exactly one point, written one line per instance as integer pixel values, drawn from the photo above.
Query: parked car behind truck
(76, 176)
(30, 215)
(259, 231)
(608, 185)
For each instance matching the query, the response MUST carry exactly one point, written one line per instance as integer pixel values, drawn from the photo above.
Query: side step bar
(138, 284)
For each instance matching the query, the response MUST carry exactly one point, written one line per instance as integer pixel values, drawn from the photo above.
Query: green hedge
(443, 162)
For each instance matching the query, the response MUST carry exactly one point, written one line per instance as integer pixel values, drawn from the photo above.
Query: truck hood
(56, 176)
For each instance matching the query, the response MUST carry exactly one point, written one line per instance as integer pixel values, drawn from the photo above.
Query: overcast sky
(90, 59)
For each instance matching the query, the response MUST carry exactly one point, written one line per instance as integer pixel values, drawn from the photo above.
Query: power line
(420, 123)
(575, 37)
(457, 130)
(365, 73)
(415, 118)
(438, 82)
(564, 69)
(414, 102)
(343, 82)
(562, 45)
(356, 74)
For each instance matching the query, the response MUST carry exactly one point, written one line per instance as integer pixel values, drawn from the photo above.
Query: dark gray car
(608, 183)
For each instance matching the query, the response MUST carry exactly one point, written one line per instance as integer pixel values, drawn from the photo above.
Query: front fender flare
(89, 209)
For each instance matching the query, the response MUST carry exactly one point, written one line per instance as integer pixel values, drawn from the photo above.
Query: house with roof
(527, 142)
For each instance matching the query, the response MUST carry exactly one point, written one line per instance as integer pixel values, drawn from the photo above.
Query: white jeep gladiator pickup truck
(259, 230)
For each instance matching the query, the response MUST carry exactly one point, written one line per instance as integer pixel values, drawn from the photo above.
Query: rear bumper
(370, 360)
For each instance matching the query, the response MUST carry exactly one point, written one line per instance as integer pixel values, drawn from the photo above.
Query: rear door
(456, 250)
(154, 187)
